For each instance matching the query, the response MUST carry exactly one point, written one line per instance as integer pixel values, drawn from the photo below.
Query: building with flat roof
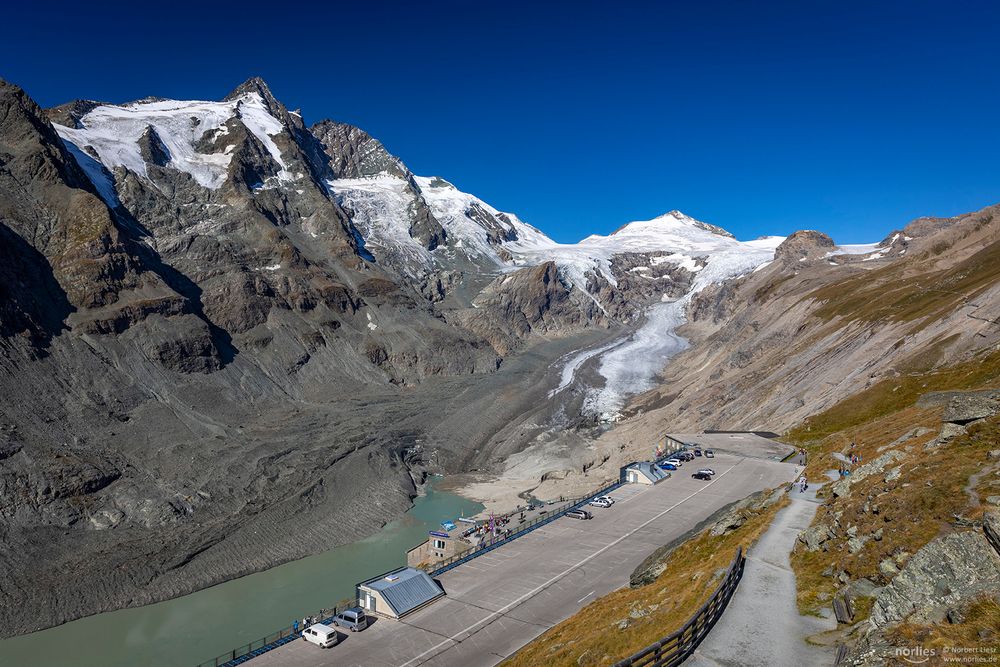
(441, 545)
(644, 472)
(398, 593)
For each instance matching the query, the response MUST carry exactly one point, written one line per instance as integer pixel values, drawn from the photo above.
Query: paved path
(762, 627)
(498, 602)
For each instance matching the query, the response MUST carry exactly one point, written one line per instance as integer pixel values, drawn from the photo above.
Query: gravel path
(762, 626)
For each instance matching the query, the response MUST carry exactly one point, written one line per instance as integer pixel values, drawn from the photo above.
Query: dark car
(697, 452)
(579, 514)
(702, 475)
(352, 619)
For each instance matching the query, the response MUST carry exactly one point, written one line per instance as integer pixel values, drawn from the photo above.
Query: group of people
(307, 621)
(803, 484)
(855, 459)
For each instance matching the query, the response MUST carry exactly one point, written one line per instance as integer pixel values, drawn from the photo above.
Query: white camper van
(322, 635)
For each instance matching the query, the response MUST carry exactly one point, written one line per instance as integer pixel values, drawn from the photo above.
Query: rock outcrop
(528, 301)
(804, 245)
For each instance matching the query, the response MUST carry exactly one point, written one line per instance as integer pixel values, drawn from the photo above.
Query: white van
(322, 635)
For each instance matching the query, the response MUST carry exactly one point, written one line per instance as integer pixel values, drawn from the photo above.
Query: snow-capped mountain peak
(672, 221)
(112, 135)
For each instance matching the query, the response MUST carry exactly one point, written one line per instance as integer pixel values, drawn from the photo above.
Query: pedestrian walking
(295, 626)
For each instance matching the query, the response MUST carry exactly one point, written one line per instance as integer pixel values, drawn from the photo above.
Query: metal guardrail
(534, 524)
(675, 649)
(246, 652)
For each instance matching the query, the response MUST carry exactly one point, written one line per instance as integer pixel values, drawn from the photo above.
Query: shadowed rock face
(353, 153)
(526, 301)
(185, 366)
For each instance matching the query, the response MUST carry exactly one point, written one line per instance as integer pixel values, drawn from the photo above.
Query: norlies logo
(915, 656)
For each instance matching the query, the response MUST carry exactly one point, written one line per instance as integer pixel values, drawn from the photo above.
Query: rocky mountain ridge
(219, 322)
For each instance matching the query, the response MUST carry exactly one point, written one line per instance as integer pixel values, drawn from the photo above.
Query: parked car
(697, 452)
(688, 456)
(608, 498)
(709, 454)
(708, 470)
(702, 475)
(674, 462)
(352, 619)
(579, 514)
(322, 635)
(668, 466)
(600, 502)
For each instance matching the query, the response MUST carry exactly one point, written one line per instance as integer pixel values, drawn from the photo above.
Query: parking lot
(502, 600)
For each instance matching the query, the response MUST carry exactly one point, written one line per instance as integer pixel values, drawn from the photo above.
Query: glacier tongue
(631, 368)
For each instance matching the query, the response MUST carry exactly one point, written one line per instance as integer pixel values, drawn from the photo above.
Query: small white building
(644, 473)
(398, 593)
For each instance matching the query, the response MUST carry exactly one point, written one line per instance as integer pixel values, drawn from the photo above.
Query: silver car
(352, 619)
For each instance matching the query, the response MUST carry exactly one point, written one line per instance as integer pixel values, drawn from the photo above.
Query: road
(499, 602)
(766, 599)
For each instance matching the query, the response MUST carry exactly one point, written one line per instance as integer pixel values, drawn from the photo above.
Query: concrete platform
(499, 602)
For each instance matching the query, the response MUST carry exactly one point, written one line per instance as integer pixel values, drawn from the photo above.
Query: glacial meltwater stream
(186, 631)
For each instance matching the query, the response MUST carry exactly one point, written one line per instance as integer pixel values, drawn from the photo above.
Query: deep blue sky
(852, 118)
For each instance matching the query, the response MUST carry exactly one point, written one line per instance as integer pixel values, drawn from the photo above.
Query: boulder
(969, 406)
(913, 434)
(814, 536)
(888, 569)
(947, 572)
(856, 544)
(843, 486)
(949, 432)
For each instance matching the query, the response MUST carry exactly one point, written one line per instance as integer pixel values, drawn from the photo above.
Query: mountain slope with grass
(885, 366)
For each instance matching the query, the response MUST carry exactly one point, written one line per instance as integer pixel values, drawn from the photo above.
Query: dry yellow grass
(693, 571)
(893, 395)
(980, 628)
(910, 511)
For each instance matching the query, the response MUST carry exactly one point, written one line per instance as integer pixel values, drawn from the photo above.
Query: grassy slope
(890, 396)
(692, 572)
(980, 627)
(911, 511)
(903, 292)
